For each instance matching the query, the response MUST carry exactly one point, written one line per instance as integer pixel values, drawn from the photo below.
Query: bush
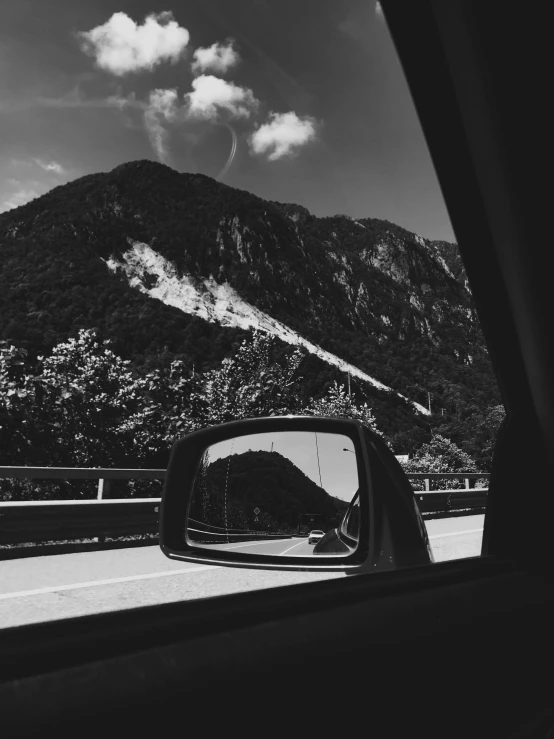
(439, 455)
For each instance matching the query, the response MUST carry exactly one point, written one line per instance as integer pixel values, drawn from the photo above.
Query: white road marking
(293, 547)
(167, 573)
(93, 583)
(456, 533)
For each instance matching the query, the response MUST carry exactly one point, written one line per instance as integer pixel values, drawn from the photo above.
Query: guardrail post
(103, 488)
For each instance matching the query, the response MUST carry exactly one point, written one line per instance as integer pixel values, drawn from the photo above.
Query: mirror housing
(391, 532)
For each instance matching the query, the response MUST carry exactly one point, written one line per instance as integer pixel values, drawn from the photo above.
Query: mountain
(236, 485)
(169, 264)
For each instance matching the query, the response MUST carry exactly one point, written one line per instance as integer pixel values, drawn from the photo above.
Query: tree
(171, 403)
(475, 431)
(490, 427)
(339, 404)
(87, 392)
(249, 384)
(439, 455)
(22, 441)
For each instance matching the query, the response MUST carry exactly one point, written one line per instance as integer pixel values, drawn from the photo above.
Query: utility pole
(348, 383)
(429, 397)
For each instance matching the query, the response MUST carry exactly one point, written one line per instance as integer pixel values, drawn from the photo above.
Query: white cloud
(121, 46)
(215, 58)
(18, 163)
(283, 135)
(50, 166)
(18, 198)
(121, 101)
(162, 106)
(211, 95)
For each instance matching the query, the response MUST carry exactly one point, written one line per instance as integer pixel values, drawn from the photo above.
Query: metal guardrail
(23, 522)
(209, 528)
(441, 501)
(436, 503)
(29, 522)
(65, 520)
(466, 476)
(207, 534)
(103, 474)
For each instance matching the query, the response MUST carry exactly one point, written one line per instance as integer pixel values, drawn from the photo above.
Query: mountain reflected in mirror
(270, 493)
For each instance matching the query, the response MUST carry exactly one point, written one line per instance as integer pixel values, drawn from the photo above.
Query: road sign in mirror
(266, 493)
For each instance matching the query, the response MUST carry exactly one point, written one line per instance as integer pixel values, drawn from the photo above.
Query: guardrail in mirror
(202, 533)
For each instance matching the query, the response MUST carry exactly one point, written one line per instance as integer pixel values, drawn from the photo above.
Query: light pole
(318, 464)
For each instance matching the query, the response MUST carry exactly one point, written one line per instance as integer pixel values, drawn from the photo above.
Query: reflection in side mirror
(345, 538)
(290, 493)
(274, 494)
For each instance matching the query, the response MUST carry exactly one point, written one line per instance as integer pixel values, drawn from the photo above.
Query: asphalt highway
(295, 547)
(39, 589)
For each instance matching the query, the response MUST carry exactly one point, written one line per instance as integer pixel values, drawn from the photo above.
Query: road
(450, 538)
(455, 538)
(61, 586)
(291, 547)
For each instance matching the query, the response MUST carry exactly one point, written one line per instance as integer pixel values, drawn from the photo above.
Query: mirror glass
(285, 493)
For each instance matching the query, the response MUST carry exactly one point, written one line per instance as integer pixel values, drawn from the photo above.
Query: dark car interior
(460, 648)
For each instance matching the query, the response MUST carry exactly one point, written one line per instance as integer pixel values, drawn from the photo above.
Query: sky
(329, 460)
(300, 101)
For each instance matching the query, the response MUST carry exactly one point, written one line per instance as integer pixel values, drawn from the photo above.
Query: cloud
(50, 166)
(18, 198)
(121, 102)
(74, 99)
(17, 164)
(121, 46)
(211, 95)
(215, 58)
(162, 106)
(283, 135)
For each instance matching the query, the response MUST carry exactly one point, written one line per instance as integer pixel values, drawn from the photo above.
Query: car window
(200, 223)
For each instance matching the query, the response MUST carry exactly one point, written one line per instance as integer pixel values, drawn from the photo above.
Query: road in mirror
(284, 493)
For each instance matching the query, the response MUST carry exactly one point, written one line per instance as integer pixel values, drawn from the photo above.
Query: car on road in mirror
(315, 536)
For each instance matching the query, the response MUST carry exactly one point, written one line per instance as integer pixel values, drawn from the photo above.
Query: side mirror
(289, 493)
